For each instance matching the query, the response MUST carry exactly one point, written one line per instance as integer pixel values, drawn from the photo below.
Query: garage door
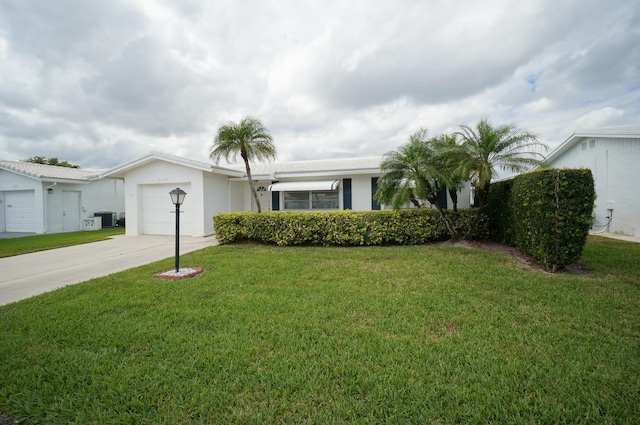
(158, 213)
(20, 211)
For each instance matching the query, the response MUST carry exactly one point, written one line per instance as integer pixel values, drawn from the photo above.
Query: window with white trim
(313, 200)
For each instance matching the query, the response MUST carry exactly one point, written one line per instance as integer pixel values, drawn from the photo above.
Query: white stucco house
(36, 198)
(335, 184)
(613, 155)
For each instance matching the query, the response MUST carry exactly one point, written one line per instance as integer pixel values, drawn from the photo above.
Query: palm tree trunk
(453, 193)
(251, 186)
(452, 232)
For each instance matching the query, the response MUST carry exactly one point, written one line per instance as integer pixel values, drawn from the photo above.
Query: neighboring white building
(613, 155)
(291, 186)
(36, 198)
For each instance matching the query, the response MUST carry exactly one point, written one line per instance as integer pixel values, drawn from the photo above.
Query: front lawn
(27, 244)
(422, 334)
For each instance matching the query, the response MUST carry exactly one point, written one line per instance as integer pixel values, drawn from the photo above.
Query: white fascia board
(120, 170)
(564, 146)
(20, 173)
(68, 181)
(328, 173)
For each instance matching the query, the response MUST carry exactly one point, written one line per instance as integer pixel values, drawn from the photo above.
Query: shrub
(341, 228)
(546, 213)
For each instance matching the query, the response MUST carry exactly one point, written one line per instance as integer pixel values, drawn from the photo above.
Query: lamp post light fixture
(177, 197)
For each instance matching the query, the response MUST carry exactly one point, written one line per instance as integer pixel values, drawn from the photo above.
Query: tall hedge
(341, 228)
(545, 213)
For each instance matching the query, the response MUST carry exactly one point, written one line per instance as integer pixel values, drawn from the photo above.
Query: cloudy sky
(102, 82)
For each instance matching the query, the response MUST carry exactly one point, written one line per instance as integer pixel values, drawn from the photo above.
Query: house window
(314, 200)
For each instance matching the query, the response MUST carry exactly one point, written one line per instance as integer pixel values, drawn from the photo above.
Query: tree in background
(249, 138)
(414, 172)
(50, 161)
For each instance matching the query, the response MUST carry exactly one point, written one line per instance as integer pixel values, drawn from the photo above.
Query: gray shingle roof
(50, 172)
(628, 131)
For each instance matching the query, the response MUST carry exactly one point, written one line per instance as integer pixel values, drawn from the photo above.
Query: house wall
(236, 195)
(614, 163)
(360, 192)
(96, 196)
(216, 199)
(161, 172)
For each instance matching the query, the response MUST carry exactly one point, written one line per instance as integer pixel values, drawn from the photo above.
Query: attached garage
(20, 211)
(148, 181)
(158, 213)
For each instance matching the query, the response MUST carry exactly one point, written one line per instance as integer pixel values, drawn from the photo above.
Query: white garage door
(20, 211)
(158, 213)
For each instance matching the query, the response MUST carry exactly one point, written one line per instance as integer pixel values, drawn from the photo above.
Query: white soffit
(304, 186)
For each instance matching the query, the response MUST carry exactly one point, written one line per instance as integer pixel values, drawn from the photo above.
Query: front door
(264, 197)
(70, 211)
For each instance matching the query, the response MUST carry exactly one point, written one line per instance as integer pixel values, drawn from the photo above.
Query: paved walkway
(24, 276)
(635, 239)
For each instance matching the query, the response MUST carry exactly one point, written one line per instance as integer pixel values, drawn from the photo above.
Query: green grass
(423, 334)
(27, 244)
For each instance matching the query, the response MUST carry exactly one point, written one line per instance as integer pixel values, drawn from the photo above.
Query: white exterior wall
(160, 172)
(361, 192)
(216, 199)
(236, 195)
(361, 195)
(615, 164)
(95, 196)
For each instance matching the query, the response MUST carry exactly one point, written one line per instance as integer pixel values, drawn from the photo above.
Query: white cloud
(328, 78)
(598, 118)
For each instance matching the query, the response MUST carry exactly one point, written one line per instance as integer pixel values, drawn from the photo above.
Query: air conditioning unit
(108, 218)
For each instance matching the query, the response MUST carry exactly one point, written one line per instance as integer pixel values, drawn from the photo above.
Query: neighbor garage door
(158, 213)
(20, 211)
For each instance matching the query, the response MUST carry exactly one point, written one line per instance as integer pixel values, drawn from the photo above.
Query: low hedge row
(342, 228)
(546, 213)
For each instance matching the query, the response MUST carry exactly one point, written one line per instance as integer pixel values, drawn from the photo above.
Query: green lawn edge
(27, 244)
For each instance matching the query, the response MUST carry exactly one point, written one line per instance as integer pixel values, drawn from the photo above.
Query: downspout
(44, 205)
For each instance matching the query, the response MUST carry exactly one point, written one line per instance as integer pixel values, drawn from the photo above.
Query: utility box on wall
(93, 223)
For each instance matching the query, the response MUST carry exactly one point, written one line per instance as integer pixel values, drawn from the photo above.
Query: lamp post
(177, 197)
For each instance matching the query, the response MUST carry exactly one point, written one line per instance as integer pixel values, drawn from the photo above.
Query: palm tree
(446, 144)
(485, 149)
(251, 139)
(414, 172)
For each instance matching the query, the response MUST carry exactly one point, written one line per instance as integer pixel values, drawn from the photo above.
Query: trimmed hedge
(342, 228)
(546, 213)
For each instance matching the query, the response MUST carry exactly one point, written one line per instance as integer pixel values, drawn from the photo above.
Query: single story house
(613, 155)
(334, 184)
(36, 198)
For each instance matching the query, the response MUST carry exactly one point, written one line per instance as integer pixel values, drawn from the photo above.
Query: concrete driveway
(27, 275)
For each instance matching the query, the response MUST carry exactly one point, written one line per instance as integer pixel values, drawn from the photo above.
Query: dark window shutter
(275, 200)
(374, 188)
(346, 194)
(442, 197)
